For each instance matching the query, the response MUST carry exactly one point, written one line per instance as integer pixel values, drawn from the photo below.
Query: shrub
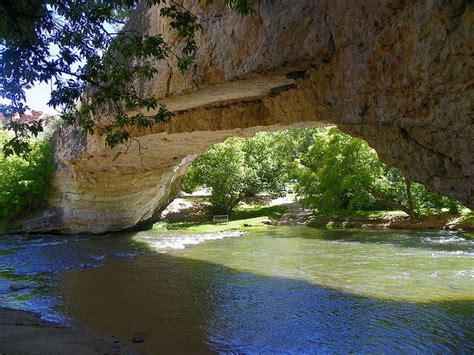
(236, 169)
(25, 182)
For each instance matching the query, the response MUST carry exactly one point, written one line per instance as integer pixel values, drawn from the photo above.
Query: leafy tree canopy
(93, 68)
(342, 172)
(25, 183)
(334, 171)
(238, 168)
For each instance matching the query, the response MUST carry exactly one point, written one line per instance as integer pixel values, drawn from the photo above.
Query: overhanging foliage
(93, 68)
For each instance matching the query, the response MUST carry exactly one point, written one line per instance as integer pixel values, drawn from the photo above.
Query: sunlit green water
(408, 266)
(284, 290)
(292, 289)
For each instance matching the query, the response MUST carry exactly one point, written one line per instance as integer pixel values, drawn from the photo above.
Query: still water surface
(285, 289)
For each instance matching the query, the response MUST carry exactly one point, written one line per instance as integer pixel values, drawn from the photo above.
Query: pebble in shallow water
(138, 338)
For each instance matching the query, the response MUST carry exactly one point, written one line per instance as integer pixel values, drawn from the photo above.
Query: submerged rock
(138, 338)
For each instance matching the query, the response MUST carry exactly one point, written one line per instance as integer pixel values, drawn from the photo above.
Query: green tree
(266, 163)
(25, 182)
(293, 145)
(394, 190)
(222, 169)
(342, 172)
(337, 172)
(238, 168)
(334, 171)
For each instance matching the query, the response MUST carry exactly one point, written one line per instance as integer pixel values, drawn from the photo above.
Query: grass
(252, 211)
(465, 220)
(344, 218)
(245, 217)
(212, 227)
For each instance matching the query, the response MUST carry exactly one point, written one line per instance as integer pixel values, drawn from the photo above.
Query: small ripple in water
(30, 266)
(293, 290)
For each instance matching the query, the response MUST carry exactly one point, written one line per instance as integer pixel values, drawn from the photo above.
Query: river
(275, 289)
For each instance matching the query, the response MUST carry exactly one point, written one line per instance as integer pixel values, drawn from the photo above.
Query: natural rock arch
(397, 73)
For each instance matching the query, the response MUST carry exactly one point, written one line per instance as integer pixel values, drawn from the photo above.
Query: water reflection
(270, 290)
(185, 305)
(385, 264)
(30, 265)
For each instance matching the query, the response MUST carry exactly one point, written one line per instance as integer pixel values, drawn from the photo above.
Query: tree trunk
(411, 210)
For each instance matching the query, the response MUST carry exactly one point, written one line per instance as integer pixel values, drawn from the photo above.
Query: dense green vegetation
(334, 172)
(239, 168)
(342, 172)
(24, 181)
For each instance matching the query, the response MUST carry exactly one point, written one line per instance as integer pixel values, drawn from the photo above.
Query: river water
(274, 290)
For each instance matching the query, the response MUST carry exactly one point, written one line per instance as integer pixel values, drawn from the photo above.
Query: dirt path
(296, 215)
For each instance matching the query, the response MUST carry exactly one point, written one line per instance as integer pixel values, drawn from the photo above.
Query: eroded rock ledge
(399, 74)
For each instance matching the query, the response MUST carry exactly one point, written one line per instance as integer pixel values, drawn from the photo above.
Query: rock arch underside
(398, 74)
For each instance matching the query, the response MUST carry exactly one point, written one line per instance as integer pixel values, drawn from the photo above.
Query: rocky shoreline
(446, 222)
(25, 333)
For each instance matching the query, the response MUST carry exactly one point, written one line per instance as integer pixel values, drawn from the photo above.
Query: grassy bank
(245, 217)
(393, 220)
(363, 214)
(248, 216)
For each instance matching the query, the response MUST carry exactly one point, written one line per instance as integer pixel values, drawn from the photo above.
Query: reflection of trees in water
(185, 305)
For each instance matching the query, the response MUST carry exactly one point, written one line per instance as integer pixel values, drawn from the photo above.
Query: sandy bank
(25, 333)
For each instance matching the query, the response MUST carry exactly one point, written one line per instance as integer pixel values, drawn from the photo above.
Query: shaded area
(30, 265)
(280, 289)
(184, 305)
(24, 333)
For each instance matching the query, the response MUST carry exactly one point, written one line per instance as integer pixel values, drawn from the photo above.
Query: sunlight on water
(274, 290)
(408, 266)
(284, 290)
(179, 240)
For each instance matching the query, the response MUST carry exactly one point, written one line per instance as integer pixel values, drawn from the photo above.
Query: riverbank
(392, 220)
(190, 214)
(25, 333)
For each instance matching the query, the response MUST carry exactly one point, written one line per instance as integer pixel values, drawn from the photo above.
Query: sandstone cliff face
(399, 74)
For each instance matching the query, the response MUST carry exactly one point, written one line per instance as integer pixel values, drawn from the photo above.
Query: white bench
(221, 218)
